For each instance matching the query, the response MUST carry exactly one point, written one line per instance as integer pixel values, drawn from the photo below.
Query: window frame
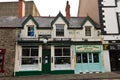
(88, 30)
(30, 33)
(60, 31)
(90, 58)
(30, 55)
(62, 56)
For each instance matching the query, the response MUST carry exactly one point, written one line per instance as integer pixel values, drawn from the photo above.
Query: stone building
(11, 8)
(11, 14)
(50, 45)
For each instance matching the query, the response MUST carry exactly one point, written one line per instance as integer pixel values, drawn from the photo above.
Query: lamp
(45, 40)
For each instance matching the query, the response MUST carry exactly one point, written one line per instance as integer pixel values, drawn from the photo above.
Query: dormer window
(59, 29)
(88, 31)
(30, 30)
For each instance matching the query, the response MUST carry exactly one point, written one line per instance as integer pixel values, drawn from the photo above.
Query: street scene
(60, 40)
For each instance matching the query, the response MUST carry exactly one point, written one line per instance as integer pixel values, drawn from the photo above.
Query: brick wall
(7, 41)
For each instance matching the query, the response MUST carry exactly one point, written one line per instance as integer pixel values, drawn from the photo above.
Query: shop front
(114, 52)
(37, 59)
(88, 59)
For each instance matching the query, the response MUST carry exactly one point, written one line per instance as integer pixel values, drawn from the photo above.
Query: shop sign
(114, 47)
(105, 46)
(88, 48)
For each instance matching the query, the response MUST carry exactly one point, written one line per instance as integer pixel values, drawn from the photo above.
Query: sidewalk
(94, 76)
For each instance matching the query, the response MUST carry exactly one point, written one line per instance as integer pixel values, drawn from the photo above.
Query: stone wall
(11, 9)
(8, 41)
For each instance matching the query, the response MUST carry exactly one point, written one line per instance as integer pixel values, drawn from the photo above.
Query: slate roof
(12, 21)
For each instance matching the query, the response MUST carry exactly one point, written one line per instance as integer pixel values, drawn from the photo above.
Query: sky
(52, 7)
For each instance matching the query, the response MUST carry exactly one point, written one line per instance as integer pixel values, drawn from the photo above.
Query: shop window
(30, 30)
(88, 31)
(29, 56)
(87, 57)
(2, 53)
(59, 29)
(78, 56)
(96, 58)
(62, 55)
(85, 60)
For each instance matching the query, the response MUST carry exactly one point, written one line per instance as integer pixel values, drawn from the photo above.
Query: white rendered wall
(106, 61)
(109, 2)
(110, 20)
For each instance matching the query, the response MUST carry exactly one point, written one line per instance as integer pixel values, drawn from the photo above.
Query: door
(46, 63)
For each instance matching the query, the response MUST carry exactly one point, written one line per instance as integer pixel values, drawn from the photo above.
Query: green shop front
(88, 59)
(36, 58)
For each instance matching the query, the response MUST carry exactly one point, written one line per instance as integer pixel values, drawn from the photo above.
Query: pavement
(88, 76)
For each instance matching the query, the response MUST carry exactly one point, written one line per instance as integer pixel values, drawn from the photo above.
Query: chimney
(67, 10)
(21, 8)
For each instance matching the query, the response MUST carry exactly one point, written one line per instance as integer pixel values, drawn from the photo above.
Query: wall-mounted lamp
(45, 40)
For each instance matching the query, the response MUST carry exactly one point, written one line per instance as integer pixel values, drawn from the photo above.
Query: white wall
(106, 61)
(109, 2)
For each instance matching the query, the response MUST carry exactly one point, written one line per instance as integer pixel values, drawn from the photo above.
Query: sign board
(114, 46)
(88, 48)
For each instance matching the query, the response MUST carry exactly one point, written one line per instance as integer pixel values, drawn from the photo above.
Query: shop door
(115, 60)
(46, 63)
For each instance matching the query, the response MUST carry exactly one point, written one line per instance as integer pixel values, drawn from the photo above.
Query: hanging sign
(88, 48)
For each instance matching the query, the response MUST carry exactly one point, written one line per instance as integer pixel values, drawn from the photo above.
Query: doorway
(46, 60)
(115, 60)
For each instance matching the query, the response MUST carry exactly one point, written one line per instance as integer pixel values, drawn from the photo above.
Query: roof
(12, 21)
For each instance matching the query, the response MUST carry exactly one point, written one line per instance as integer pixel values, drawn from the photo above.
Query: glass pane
(34, 52)
(66, 51)
(25, 52)
(30, 31)
(96, 57)
(29, 61)
(78, 58)
(85, 60)
(58, 52)
(90, 57)
(62, 60)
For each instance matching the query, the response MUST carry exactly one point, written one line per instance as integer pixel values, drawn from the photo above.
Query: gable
(30, 18)
(89, 21)
(58, 17)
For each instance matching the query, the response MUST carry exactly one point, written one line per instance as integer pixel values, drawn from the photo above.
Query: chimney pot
(67, 9)
(21, 8)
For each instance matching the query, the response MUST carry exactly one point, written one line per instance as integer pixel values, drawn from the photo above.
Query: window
(62, 55)
(2, 53)
(30, 30)
(87, 57)
(59, 29)
(88, 31)
(29, 56)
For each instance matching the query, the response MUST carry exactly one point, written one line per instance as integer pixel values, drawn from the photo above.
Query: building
(50, 45)
(89, 8)
(110, 27)
(11, 8)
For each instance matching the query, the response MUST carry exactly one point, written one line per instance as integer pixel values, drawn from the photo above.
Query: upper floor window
(59, 29)
(88, 31)
(30, 30)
